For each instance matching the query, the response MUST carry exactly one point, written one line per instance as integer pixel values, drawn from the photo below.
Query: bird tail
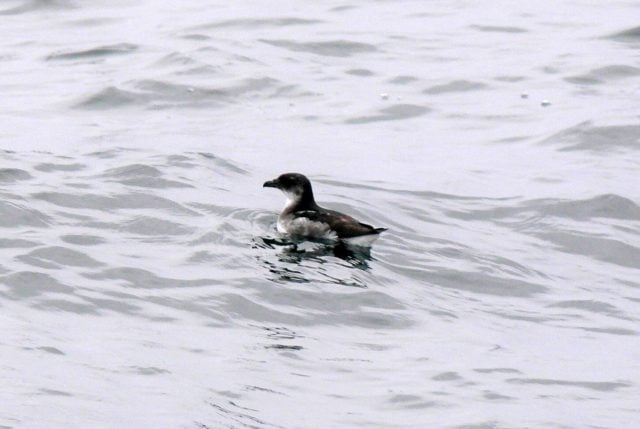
(379, 230)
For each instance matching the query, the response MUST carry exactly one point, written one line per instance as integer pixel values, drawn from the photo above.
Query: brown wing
(345, 226)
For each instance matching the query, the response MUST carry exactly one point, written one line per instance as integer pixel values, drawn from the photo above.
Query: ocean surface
(143, 283)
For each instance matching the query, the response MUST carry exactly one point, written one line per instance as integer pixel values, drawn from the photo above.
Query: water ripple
(252, 23)
(333, 48)
(156, 94)
(588, 137)
(391, 113)
(93, 53)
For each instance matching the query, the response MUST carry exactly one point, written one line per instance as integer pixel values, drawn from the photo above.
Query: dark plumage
(303, 217)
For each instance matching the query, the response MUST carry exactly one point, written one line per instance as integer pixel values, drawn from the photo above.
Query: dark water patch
(455, 86)
(304, 308)
(235, 416)
(511, 139)
(360, 72)
(342, 8)
(596, 307)
(601, 386)
(149, 370)
(171, 91)
(333, 48)
(109, 204)
(248, 23)
(447, 376)
(498, 29)
(13, 175)
(196, 36)
(52, 350)
(611, 331)
(280, 333)
(66, 306)
(133, 170)
(399, 398)
(403, 80)
(510, 78)
(549, 70)
(588, 137)
(476, 282)
(99, 52)
(92, 22)
(37, 262)
(501, 264)
(497, 370)
(27, 284)
(496, 118)
(493, 396)
(241, 307)
(631, 284)
(83, 240)
(151, 226)
(59, 257)
(418, 195)
(628, 229)
(262, 218)
(154, 183)
(39, 5)
(525, 316)
(143, 279)
(411, 402)
(16, 243)
(214, 209)
(208, 70)
(144, 176)
(225, 164)
(603, 249)
(14, 215)
(629, 35)
(206, 309)
(109, 153)
(484, 425)
(605, 74)
(116, 305)
(110, 98)
(155, 94)
(48, 167)
(391, 113)
(283, 347)
(180, 161)
(602, 206)
(54, 392)
(176, 58)
(332, 302)
(219, 236)
(74, 216)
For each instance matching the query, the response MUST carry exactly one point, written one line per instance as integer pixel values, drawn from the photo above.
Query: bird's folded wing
(345, 226)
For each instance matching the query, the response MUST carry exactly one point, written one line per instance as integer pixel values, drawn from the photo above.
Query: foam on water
(143, 283)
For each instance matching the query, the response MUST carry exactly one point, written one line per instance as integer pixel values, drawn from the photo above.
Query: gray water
(143, 284)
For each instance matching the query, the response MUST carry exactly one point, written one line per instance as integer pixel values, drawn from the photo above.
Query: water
(142, 283)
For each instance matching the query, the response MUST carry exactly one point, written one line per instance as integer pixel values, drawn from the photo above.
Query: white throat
(292, 199)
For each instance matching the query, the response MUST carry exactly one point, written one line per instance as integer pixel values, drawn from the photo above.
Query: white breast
(304, 227)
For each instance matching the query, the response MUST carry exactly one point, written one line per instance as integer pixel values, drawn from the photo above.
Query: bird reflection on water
(295, 253)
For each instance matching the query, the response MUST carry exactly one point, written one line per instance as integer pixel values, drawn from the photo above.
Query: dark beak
(271, 184)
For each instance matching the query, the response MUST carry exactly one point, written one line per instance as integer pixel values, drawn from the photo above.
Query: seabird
(302, 217)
